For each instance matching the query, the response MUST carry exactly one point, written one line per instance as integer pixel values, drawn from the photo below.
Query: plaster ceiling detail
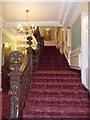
(41, 13)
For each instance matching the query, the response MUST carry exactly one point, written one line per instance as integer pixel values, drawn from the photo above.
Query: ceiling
(42, 13)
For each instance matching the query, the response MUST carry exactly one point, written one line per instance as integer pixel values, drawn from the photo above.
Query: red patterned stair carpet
(5, 104)
(56, 91)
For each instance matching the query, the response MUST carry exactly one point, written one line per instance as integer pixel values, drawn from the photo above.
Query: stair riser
(55, 90)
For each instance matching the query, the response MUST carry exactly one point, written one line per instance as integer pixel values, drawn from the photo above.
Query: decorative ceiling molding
(3, 22)
(71, 14)
(5, 28)
(62, 12)
(67, 11)
(40, 23)
(76, 14)
(12, 26)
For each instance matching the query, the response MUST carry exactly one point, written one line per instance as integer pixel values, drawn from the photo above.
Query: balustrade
(21, 75)
(20, 78)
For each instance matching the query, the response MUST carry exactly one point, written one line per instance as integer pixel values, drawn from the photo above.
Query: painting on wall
(48, 34)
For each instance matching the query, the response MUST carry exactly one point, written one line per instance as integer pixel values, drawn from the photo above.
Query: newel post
(15, 85)
(29, 52)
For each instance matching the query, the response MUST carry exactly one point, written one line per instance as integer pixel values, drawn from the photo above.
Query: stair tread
(55, 91)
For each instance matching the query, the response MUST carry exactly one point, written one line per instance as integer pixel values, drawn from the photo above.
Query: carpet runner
(56, 90)
(5, 104)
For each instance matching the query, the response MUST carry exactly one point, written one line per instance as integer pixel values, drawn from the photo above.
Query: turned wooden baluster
(15, 85)
(29, 52)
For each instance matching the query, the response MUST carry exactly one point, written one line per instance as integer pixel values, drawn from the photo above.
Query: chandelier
(26, 29)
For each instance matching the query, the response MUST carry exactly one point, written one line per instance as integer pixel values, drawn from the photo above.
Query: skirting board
(75, 67)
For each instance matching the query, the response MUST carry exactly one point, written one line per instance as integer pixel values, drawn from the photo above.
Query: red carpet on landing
(56, 91)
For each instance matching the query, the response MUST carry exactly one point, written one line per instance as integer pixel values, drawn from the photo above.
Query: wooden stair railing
(40, 40)
(37, 53)
(20, 78)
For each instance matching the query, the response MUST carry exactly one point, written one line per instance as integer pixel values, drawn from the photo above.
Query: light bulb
(25, 23)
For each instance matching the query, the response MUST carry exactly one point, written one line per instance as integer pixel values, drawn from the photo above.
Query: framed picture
(48, 34)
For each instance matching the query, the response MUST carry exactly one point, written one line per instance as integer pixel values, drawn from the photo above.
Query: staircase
(56, 91)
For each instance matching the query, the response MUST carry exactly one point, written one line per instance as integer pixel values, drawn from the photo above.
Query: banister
(20, 77)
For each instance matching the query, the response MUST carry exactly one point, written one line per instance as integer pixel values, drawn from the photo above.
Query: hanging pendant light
(26, 29)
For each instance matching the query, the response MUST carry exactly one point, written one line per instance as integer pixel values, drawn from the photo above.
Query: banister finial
(16, 55)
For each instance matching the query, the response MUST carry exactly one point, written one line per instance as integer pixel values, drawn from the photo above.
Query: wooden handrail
(20, 77)
(37, 53)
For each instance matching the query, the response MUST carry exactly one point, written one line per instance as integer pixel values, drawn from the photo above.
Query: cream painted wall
(50, 43)
(7, 39)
